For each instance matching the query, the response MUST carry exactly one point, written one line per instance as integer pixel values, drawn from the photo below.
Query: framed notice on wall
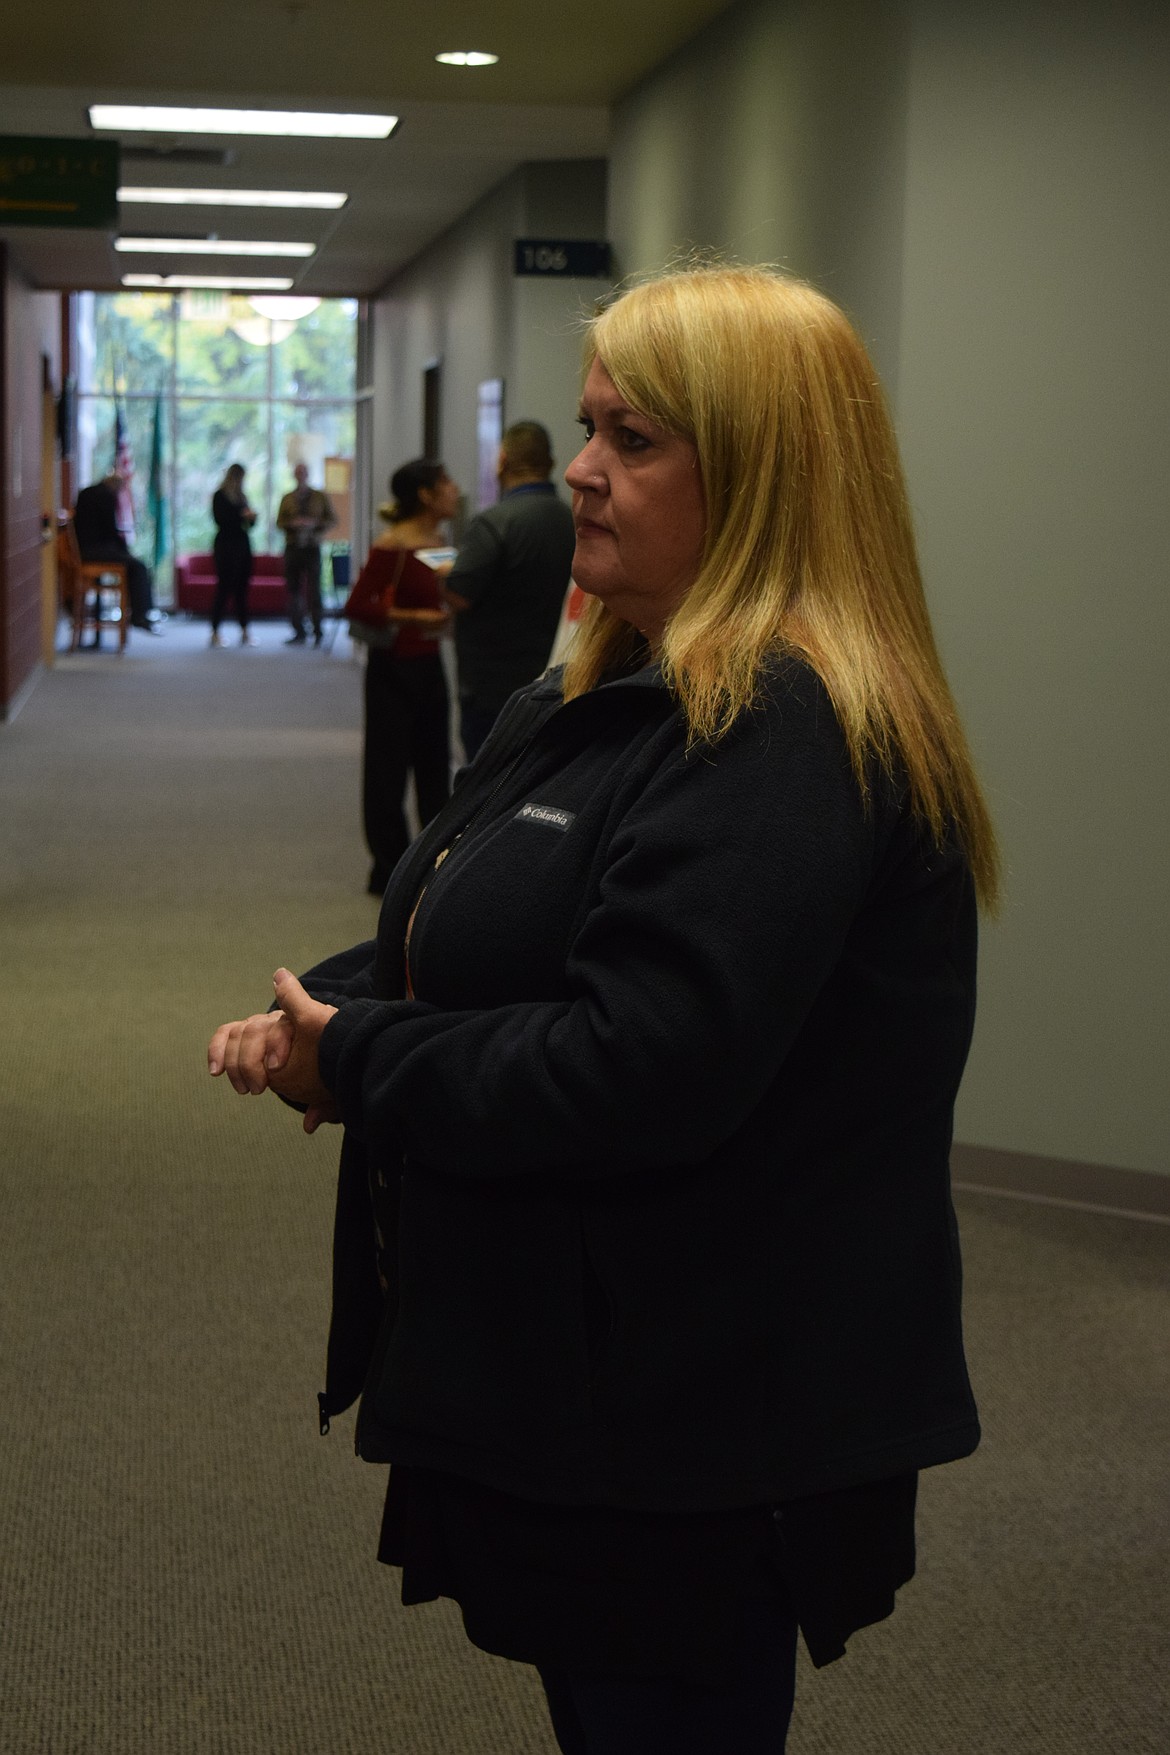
(489, 430)
(339, 487)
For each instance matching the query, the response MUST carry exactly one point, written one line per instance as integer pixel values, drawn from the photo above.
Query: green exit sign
(58, 182)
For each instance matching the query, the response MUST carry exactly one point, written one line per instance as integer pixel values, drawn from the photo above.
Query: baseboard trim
(11, 708)
(1096, 1188)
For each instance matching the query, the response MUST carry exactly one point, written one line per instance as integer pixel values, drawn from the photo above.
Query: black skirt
(594, 1591)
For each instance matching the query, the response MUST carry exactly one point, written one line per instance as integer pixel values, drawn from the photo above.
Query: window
(221, 379)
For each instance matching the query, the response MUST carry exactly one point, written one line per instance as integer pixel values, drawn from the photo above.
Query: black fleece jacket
(659, 1154)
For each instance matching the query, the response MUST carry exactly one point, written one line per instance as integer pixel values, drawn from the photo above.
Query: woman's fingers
(291, 997)
(231, 1057)
(319, 1113)
(278, 1050)
(265, 1038)
(217, 1049)
(234, 1062)
(245, 1050)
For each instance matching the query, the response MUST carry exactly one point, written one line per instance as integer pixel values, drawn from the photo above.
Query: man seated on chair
(95, 521)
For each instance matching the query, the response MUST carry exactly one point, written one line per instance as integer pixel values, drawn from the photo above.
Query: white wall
(449, 306)
(984, 187)
(775, 136)
(1034, 404)
(460, 303)
(982, 184)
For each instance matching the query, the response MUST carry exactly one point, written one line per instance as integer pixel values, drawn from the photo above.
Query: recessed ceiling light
(224, 282)
(467, 58)
(284, 310)
(234, 197)
(208, 247)
(170, 119)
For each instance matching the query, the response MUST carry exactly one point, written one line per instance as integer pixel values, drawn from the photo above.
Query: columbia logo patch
(546, 813)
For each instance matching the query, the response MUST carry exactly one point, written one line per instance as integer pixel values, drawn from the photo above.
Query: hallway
(187, 1568)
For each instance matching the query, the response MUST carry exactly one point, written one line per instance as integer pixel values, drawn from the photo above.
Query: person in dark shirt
(95, 521)
(646, 1270)
(234, 519)
(508, 583)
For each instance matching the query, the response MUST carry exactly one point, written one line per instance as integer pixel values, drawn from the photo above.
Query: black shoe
(296, 640)
(144, 626)
(318, 636)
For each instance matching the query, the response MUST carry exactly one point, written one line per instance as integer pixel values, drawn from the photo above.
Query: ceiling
(461, 130)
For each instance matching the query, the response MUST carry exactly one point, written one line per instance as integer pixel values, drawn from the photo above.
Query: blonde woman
(651, 1072)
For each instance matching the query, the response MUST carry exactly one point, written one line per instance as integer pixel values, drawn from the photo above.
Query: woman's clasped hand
(277, 1051)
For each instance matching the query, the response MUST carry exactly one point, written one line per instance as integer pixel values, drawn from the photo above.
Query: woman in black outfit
(234, 518)
(646, 1269)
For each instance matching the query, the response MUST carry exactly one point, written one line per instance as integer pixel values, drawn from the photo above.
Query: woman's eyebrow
(617, 410)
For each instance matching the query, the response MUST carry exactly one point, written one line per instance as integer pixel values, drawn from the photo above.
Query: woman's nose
(583, 475)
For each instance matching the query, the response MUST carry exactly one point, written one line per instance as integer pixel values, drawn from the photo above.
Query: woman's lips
(589, 527)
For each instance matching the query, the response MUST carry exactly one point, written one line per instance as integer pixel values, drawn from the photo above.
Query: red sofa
(195, 585)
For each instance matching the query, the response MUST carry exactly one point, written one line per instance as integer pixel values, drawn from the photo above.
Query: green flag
(156, 496)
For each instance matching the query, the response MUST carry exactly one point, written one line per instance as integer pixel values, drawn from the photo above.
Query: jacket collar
(649, 677)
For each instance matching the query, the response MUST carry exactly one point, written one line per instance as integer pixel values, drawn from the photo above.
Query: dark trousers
(232, 575)
(139, 586)
(407, 731)
(302, 576)
(474, 724)
(599, 1715)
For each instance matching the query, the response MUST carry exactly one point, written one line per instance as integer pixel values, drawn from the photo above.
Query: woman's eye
(624, 438)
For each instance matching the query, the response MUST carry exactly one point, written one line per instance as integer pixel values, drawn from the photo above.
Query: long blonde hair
(233, 484)
(809, 546)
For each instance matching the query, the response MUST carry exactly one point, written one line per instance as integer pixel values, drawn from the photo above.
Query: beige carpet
(186, 1566)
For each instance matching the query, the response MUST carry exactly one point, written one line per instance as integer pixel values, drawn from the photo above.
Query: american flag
(124, 465)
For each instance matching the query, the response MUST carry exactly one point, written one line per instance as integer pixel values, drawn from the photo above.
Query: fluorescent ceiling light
(170, 119)
(467, 58)
(234, 197)
(224, 282)
(208, 247)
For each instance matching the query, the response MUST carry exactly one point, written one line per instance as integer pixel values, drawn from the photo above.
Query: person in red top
(407, 713)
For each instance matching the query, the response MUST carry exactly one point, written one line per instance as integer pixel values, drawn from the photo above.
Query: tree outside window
(234, 379)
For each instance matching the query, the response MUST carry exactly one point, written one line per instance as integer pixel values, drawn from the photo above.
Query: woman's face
(442, 501)
(638, 507)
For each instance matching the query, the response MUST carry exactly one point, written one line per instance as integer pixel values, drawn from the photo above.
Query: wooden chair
(81, 581)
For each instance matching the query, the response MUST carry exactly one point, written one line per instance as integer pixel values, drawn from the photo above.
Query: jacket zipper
(408, 983)
(450, 848)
